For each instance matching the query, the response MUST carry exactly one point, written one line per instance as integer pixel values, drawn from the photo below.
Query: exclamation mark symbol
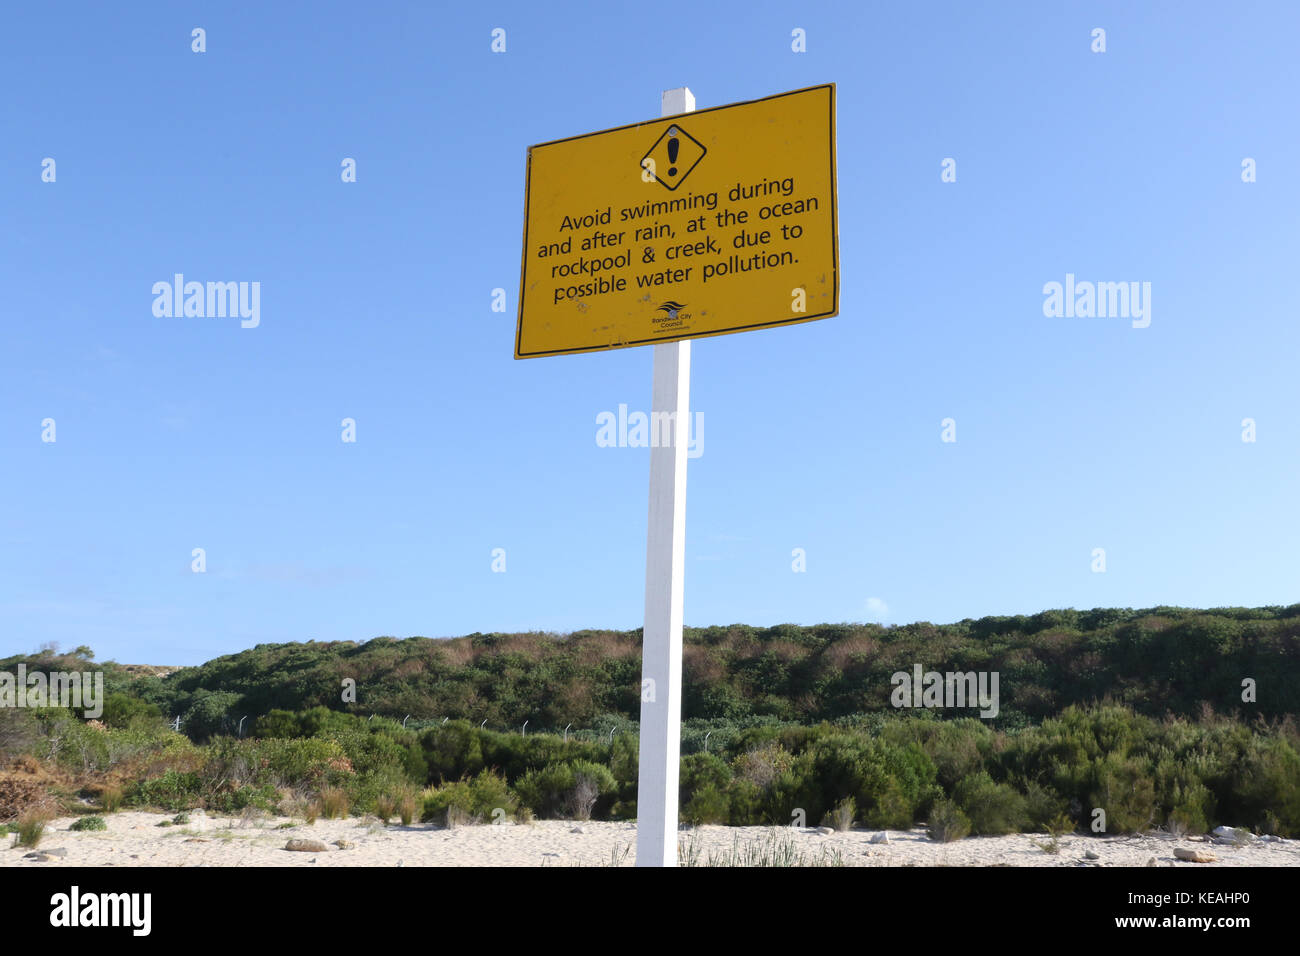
(674, 144)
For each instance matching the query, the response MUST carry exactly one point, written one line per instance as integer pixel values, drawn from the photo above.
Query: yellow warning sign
(721, 220)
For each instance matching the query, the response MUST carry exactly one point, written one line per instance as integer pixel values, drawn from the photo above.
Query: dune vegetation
(1141, 714)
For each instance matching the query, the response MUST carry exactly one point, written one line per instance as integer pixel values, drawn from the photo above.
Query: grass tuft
(31, 828)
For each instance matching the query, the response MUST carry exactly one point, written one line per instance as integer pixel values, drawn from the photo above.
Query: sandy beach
(136, 839)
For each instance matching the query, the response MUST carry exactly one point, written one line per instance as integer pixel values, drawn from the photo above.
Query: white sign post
(661, 650)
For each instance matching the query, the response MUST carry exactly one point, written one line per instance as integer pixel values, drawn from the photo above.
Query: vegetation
(1137, 713)
(778, 850)
(31, 828)
(947, 822)
(1155, 660)
(88, 823)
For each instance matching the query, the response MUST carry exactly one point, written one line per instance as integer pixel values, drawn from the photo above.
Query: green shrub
(889, 783)
(469, 800)
(570, 789)
(453, 750)
(1043, 805)
(1193, 806)
(708, 804)
(88, 823)
(265, 798)
(1266, 787)
(123, 711)
(620, 810)
(747, 805)
(894, 810)
(701, 770)
(174, 790)
(490, 793)
(947, 822)
(449, 804)
(1125, 790)
(992, 808)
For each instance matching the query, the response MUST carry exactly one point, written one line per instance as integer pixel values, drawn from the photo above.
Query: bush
(992, 808)
(1266, 787)
(1043, 805)
(701, 770)
(468, 800)
(88, 823)
(889, 782)
(893, 809)
(708, 805)
(174, 790)
(1192, 808)
(552, 790)
(490, 793)
(452, 751)
(124, 711)
(947, 822)
(1125, 790)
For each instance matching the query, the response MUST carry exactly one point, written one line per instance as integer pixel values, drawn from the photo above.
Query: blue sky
(1072, 433)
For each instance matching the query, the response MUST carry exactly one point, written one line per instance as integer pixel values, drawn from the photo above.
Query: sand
(135, 839)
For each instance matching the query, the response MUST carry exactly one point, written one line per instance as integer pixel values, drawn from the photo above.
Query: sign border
(835, 237)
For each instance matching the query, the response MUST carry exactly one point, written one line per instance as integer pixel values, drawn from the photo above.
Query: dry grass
(850, 650)
(762, 765)
(17, 796)
(406, 807)
(26, 763)
(456, 652)
(110, 797)
(592, 649)
(31, 827)
(333, 803)
(701, 665)
(842, 816)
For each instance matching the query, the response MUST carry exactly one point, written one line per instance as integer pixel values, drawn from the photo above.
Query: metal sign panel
(716, 221)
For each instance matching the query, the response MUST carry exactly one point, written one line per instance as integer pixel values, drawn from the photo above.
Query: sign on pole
(700, 223)
(720, 221)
